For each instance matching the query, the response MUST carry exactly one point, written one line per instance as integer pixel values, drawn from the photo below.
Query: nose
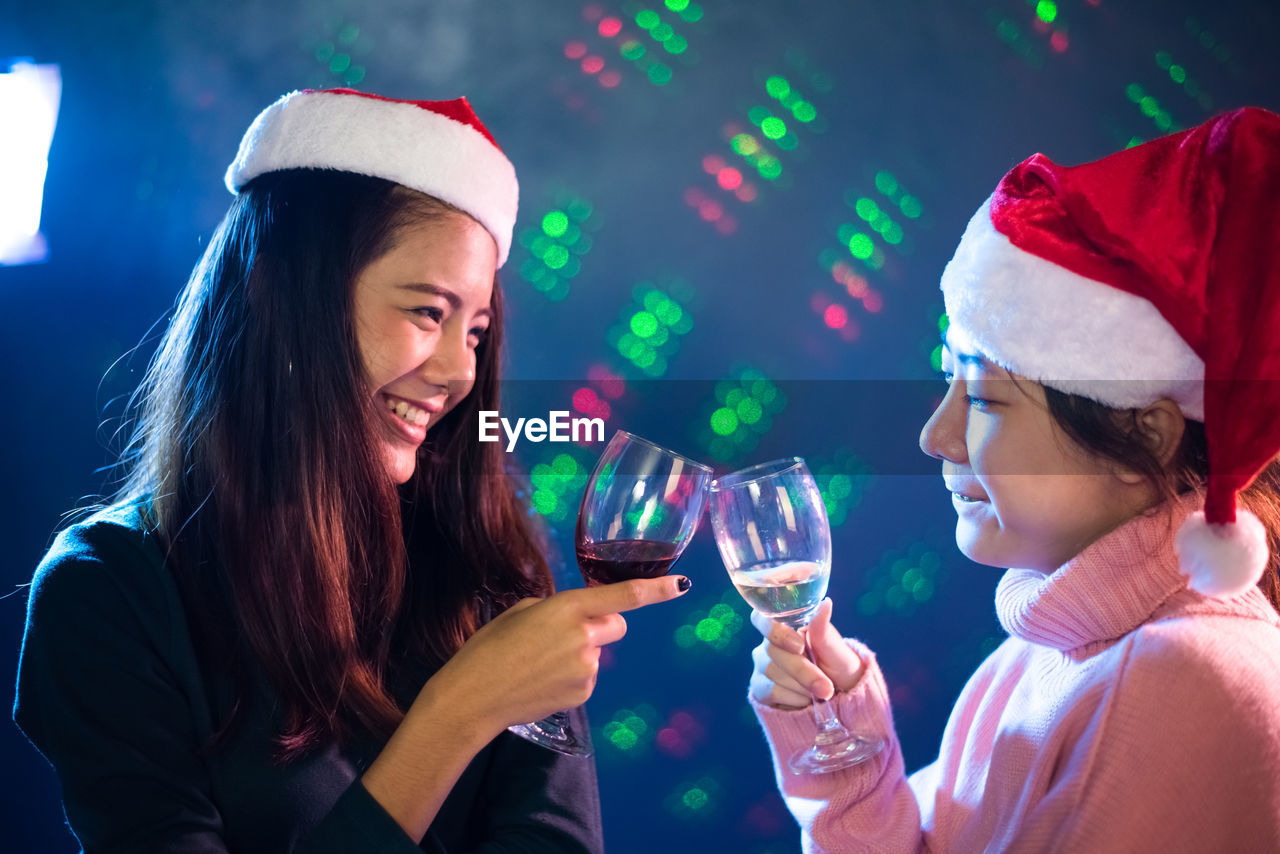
(453, 362)
(942, 436)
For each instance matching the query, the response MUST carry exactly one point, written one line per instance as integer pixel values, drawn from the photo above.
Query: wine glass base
(823, 758)
(553, 733)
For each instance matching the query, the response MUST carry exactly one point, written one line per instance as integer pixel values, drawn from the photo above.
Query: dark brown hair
(1114, 435)
(254, 450)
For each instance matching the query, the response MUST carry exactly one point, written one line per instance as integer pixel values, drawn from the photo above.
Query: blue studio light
(29, 96)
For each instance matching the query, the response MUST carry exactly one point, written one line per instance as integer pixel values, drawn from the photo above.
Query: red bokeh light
(1058, 41)
(819, 302)
(609, 27)
(873, 302)
(835, 316)
(1041, 26)
(575, 50)
(729, 178)
(592, 64)
(610, 79)
(592, 11)
(726, 225)
(746, 193)
(710, 210)
(693, 196)
(585, 400)
(712, 163)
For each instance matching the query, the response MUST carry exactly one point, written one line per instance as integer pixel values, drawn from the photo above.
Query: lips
(962, 490)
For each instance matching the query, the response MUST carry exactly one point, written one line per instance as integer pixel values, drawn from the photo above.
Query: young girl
(316, 603)
(1112, 370)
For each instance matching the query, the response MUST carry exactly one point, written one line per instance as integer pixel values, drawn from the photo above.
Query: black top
(110, 691)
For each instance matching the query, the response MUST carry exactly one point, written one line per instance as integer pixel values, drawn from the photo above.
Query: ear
(1161, 427)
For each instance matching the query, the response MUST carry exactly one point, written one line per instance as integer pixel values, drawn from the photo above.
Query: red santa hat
(436, 147)
(1151, 273)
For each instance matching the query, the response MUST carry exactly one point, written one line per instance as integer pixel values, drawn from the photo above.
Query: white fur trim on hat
(1222, 560)
(398, 141)
(1066, 331)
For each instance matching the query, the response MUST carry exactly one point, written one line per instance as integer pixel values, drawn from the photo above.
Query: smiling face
(421, 310)
(1025, 494)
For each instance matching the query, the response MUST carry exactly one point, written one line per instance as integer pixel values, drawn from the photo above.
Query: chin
(400, 466)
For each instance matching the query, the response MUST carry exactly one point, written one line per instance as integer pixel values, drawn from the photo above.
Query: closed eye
(429, 311)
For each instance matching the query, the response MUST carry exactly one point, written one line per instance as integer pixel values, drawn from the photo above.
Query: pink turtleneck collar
(1108, 590)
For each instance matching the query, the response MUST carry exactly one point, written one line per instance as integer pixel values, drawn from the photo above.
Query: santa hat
(436, 147)
(1151, 273)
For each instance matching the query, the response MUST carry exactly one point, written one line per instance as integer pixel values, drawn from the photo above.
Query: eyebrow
(435, 290)
(965, 358)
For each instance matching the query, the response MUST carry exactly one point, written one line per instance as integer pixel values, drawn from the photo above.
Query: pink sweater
(1125, 713)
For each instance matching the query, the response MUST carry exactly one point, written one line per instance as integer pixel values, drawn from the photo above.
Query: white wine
(783, 588)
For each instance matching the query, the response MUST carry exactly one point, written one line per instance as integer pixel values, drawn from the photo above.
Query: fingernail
(819, 689)
(683, 584)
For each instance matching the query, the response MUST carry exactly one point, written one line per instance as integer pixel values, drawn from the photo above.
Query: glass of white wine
(771, 527)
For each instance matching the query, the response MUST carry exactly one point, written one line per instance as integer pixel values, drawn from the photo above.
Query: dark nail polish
(684, 584)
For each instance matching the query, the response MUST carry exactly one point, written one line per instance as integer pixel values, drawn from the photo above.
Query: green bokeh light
(744, 144)
(644, 324)
(886, 183)
(1133, 92)
(1149, 106)
(556, 257)
(777, 87)
(647, 19)
(866, 208)
(1177, 73)
(804, 112)
(555, 224)
(860, 246)
(910, 207)
(773, 127)
(692, 13)
(662, 32)
(1047, 11)
(340, 63)
(677, 44)
(631, 49)
(677, 5)
(770, 168)
(724, 421)
(659, 74)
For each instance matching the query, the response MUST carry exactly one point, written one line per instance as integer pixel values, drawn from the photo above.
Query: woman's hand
(542, 655)
(785, 678)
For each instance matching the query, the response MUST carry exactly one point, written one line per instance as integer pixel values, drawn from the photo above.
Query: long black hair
(254, 449)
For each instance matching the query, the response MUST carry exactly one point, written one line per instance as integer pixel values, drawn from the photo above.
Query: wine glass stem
(829, 727)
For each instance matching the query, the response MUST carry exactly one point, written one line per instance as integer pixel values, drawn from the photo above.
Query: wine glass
(639, 511)
(770, 525)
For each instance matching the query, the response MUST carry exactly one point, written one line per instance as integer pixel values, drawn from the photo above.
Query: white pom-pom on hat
(1222, 560)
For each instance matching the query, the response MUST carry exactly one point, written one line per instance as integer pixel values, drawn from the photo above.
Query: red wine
(618, 560)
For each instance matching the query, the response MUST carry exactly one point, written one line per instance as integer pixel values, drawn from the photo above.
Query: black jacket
(110, 691)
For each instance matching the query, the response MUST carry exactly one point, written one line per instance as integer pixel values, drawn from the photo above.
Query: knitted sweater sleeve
(867, 808)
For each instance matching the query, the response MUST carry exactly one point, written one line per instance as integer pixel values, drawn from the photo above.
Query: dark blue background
(944, 95)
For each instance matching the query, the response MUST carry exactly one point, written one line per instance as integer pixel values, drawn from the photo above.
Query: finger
(627, 595)
(764, 691)
(794, 671)
(606, 629)
(782, 636)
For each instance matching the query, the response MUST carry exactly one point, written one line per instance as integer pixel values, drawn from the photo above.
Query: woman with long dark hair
(316, 602)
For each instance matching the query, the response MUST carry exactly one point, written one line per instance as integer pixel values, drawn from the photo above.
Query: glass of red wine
(640, 509)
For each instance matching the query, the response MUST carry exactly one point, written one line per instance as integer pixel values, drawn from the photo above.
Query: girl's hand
(542, 655)
(785, 678)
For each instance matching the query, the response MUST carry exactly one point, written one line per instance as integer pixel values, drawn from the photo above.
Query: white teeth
(407, 412)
